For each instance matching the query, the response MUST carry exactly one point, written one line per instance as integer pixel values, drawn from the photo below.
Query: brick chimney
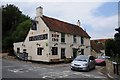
(39, 11)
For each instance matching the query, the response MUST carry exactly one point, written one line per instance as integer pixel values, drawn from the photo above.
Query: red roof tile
(64, 27)
(97, 46)
(102, 40)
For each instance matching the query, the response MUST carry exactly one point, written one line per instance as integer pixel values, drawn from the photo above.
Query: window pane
(18, 50)
(62, 37)
(82, 40)
(82, 51)
(74, 38)
(24, 50)
(63, 53)
(34, 25)
(39, 51)
(54, 50)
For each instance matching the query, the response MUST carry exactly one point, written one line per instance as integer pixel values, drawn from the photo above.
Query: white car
(83, 62)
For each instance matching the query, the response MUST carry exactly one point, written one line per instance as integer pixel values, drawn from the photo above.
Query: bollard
(114, 68)
(117, 70)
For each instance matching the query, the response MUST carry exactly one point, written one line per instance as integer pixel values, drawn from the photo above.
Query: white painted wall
(68, 42)
(31, 45)
(46, 56)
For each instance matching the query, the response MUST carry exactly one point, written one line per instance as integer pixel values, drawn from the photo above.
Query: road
(22, 69)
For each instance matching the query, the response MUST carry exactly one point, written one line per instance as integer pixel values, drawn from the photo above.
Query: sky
(99, 18)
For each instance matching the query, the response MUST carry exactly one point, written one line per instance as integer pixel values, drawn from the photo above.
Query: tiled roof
(64, 27)
(96, 46)
(102, 40)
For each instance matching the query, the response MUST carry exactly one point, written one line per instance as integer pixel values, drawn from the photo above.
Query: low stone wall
(6, 56)
(3, 55)
(109, 67)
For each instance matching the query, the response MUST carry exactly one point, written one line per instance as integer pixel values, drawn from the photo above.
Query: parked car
(100, 60)
(83, 62)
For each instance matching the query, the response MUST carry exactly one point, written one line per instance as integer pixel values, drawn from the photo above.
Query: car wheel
(88, 69)
(72, 69)
(94, 67)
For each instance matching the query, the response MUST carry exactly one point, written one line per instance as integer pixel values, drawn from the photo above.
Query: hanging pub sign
(38, 37)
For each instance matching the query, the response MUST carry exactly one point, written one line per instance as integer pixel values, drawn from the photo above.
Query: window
(82, 40)
(82, 51)
(62, 37)
(54, 50)
(55, 37)
(34, 25)
(52, 35)
(24, 50)
(39, 51)
(18, 50)
(74, 38)
(62, 53)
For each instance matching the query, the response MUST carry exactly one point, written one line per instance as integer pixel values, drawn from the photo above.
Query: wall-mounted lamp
(55, 44)
(88, 46)
(71, 45)
(23, 45)
(38, 44)
(79, 51)
(82, 45)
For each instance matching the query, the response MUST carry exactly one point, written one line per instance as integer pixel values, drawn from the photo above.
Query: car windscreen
(81, 58)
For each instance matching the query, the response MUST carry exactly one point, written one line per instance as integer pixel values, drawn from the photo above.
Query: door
(25, 54)
(75, 52)
(63, 53)
(82, 51)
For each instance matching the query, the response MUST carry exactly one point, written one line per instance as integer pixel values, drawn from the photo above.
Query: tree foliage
(117, 41)
(15, 26)
(109, 47)
(113, 46)
(21, 31)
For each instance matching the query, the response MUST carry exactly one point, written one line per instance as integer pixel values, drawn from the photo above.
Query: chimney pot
(39, 11)
(79, 23)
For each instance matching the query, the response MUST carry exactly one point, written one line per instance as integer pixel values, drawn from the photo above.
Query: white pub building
(50, 40)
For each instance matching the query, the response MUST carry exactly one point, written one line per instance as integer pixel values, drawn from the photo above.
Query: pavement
(111, 76)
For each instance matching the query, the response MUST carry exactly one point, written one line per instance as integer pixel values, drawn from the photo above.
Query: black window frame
(54, 50)
(34, 25)
(62, 37)
(63, 52)
(82, 51)
(24, 50)
(39, 50)
(82, 40)
(18, 50)
(74, 39)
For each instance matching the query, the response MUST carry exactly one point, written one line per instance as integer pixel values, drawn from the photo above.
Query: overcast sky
(99, 18)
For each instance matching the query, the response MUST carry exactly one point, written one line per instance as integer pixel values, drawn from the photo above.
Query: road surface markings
(18, 70)
(56, 74)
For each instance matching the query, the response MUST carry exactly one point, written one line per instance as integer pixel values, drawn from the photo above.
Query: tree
(11, 18)
(21, 31)
(117, 41)
(109, 47)
(112, 47)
